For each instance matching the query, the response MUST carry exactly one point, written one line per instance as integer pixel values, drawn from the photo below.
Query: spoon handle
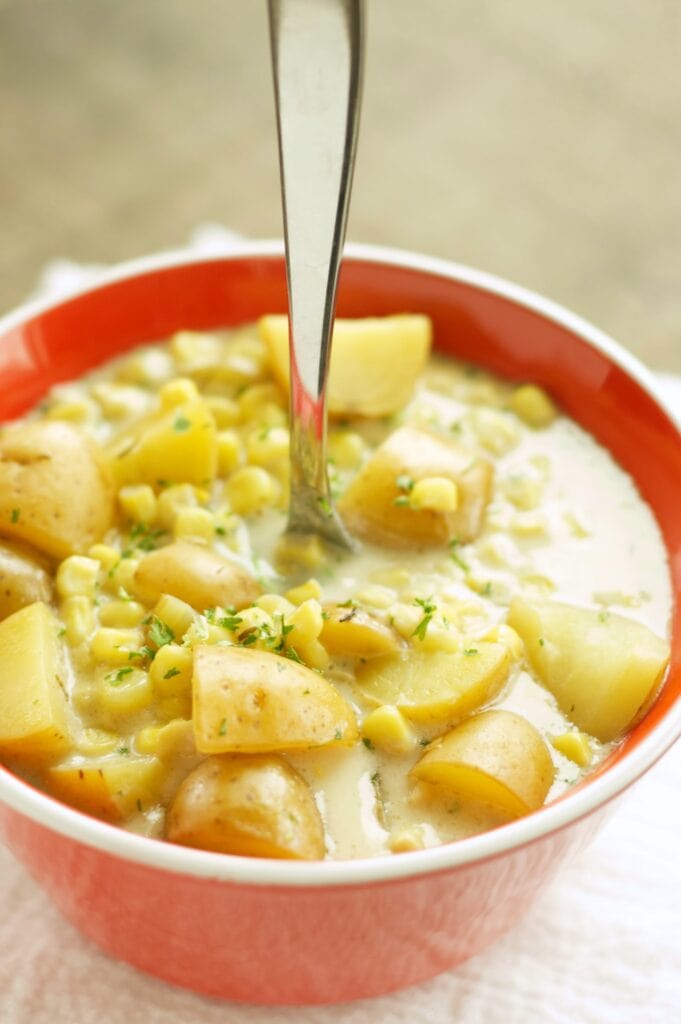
(317, 65)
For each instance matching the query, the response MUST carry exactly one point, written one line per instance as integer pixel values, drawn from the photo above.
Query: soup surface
(168, 662)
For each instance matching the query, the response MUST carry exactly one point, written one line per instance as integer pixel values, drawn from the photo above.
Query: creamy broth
(563, 523)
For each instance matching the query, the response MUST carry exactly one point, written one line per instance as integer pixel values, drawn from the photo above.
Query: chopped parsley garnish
(14, 517)
(325, 505)
(117, 677)
(367, 743)
(181, 424)
(160, 632)
(405, 482)
(454, 544)
(171, 672)
(541, 641)
(338, 735)
(292, 653)
(429, 610)
(222, 731)
(469, 651)
(402, 501)
(142, 536)
(123, 750)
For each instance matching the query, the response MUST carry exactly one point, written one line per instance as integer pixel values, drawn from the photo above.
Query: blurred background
(537, 140)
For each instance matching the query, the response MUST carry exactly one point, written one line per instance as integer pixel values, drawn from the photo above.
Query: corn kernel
(251, 489)
(115, 645)
(138, 502)
(195, 350)
(503, 634)
(237, 369)
(377, 596)
(175, 613)
(73, 410)
(494, 430)
(122, 575)
(121, 614)
(77, 614)
(177, 392)
(125, 691)
(77, 574)
(304, 592)
(576, 528)
(256, 396)
(391, 577)
(407, 840)
(574, 745)
(171, 500)
(149, 367)
(529, 524)
(533, 406)
(118, 401)
(267, 446)
(230, 452)
(346, 449)
(95, 742)
(173, 740)
(543, 584)
(225, 410)
(106, 555)
(194, 523)
(436, 493)
(524, 490)
(276, 605)
(171, 671)
(405, 618)
(388, 729)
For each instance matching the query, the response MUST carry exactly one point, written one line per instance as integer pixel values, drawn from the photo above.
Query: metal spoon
(317, 66)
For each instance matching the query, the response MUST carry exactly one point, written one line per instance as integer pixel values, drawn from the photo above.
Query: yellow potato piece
(56, 489)
(195, 574)
(376, 504)
(353, 633)
(602, 668)
(436, 686)
(23, 579)
(253, 806)
(33, 714)
(496, 758)
(374, 362)
(112, 788)
(253, 701)
(179, 445)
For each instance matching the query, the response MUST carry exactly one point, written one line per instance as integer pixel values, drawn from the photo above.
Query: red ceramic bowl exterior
(274, 932)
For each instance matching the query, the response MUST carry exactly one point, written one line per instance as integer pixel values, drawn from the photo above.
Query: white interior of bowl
(244, 870)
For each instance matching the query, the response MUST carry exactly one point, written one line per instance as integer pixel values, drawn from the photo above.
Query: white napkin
(601, 946)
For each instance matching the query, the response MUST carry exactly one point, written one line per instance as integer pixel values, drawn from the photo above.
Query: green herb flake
(405, 482)
(117, 677)
(222, 731)
(160, 632)
(454, 544)
(325, 505)
(181, 424)
(470, 651)
(123, 750)
(292, 653)
(429, 609)
(14, 517)
(402, 501)
(367, 743)
(172, 672)
(541, 641)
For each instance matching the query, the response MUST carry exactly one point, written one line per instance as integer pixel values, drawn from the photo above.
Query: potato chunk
(178, 445)
(602, 668)
(376, 504)
(495, 758)
(195, 574)
(112, 788)
(374, 362)
(33, 714)
(436, 686)
(353, 633)
(56, 490)
(23, 579)
(253, 806)
(253, 701)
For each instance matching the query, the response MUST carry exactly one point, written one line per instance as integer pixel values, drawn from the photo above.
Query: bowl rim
(153, 853)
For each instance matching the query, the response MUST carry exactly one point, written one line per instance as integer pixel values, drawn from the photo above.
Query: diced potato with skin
(33, 711)
(251, 701)
(376, 505)
(253, 806)
(56, 488)
(495, 758)
(435, 687)
(113, 788)
(602, 668)
(350, 632)
(197, 575)
(178, 445)
(374, 362)
(24, 579)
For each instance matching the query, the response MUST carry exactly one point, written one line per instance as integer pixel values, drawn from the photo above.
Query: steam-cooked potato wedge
(112, 788)
(24, 579)
(436, 686)
(254, 806)
(350, 632)
(374, 362)
(56, 489)
(602, 668)
(496, 758)
(195, 574)
(33, 714)
(253, 701)
(376, 504)
(178, 445)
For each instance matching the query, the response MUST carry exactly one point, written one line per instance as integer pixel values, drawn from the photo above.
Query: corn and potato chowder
(169, 663)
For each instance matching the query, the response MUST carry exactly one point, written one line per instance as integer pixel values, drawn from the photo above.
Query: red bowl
(283, 932)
